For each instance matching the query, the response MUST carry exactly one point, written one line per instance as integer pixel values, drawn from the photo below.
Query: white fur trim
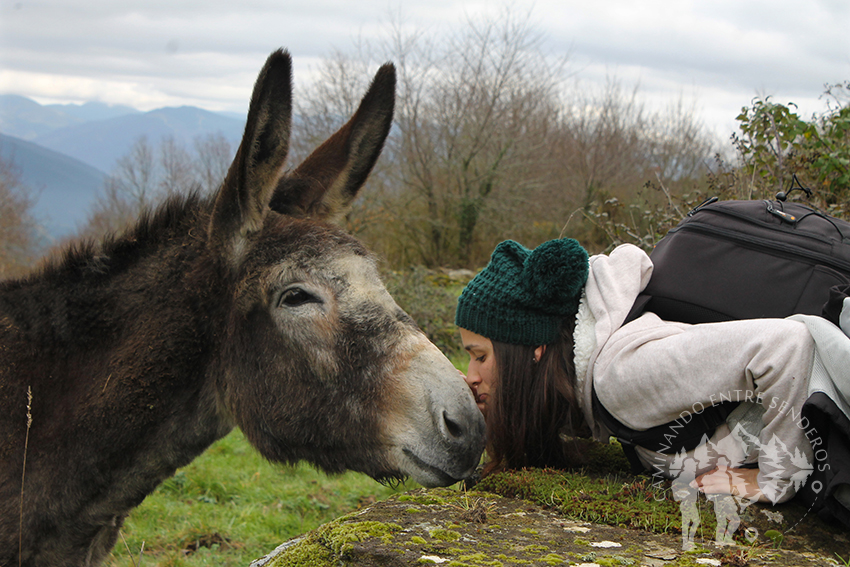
(584, 340)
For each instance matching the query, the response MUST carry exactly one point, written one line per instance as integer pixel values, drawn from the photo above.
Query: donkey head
(318, 362)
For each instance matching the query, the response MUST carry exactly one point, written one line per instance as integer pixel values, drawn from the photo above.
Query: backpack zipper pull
(787, 217)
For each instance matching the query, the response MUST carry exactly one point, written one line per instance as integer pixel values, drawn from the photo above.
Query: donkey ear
(243, 199)
(326, 183)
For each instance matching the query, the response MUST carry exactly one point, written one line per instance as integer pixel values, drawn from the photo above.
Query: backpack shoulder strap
(638, 307)
(667, 438)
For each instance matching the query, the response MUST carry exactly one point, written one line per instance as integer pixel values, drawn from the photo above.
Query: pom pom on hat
(522, 295)
(555, 273)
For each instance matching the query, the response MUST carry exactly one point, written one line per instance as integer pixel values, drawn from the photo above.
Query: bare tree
(214, 155)
(473, 128)
(135, 174)
(114, 211)
(612, 155)
(176, 166)
(19, 232)
(132, 186)
(330, 100)
(471, 123)
(602, 142)
(680, 144)
(148, 173)
(489, 144)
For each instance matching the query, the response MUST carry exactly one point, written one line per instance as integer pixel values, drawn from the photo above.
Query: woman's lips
(481, 400)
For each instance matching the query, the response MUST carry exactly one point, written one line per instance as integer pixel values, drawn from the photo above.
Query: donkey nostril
(454, 429)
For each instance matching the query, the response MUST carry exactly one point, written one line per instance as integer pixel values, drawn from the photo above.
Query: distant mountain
(102, 142)
(233, 115)
(91, 111)
(26, 119)
(65, 188)
(65, 150)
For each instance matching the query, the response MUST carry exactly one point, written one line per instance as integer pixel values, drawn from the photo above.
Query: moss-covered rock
(598, 515)
(508, 531)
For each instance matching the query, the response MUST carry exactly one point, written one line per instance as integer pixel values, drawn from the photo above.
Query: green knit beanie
(522, 295)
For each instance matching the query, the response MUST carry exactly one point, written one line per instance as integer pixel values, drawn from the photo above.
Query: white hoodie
(650, 372)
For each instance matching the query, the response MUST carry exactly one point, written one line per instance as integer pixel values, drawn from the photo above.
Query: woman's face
(481, 374)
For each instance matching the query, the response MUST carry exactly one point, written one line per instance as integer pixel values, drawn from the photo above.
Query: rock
(598, 515)
(462, 275)
(451, 527)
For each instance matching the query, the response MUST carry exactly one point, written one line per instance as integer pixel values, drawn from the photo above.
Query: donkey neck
(115, 341)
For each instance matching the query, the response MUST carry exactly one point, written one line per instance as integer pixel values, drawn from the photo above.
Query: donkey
(122, 360)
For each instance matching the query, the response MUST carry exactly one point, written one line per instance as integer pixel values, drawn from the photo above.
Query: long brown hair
(535, 412)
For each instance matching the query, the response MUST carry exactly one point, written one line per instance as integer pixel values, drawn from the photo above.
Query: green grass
(231, 506)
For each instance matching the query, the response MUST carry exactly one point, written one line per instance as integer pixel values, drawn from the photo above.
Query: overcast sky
(206, 53)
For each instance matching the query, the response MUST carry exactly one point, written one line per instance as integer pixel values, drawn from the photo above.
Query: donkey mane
(118, 250)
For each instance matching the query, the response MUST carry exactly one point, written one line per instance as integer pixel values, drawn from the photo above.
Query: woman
(545, 333)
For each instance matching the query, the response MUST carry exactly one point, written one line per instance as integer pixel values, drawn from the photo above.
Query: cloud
(207, 53)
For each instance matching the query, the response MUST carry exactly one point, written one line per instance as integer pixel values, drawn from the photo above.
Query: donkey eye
(296, 297)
